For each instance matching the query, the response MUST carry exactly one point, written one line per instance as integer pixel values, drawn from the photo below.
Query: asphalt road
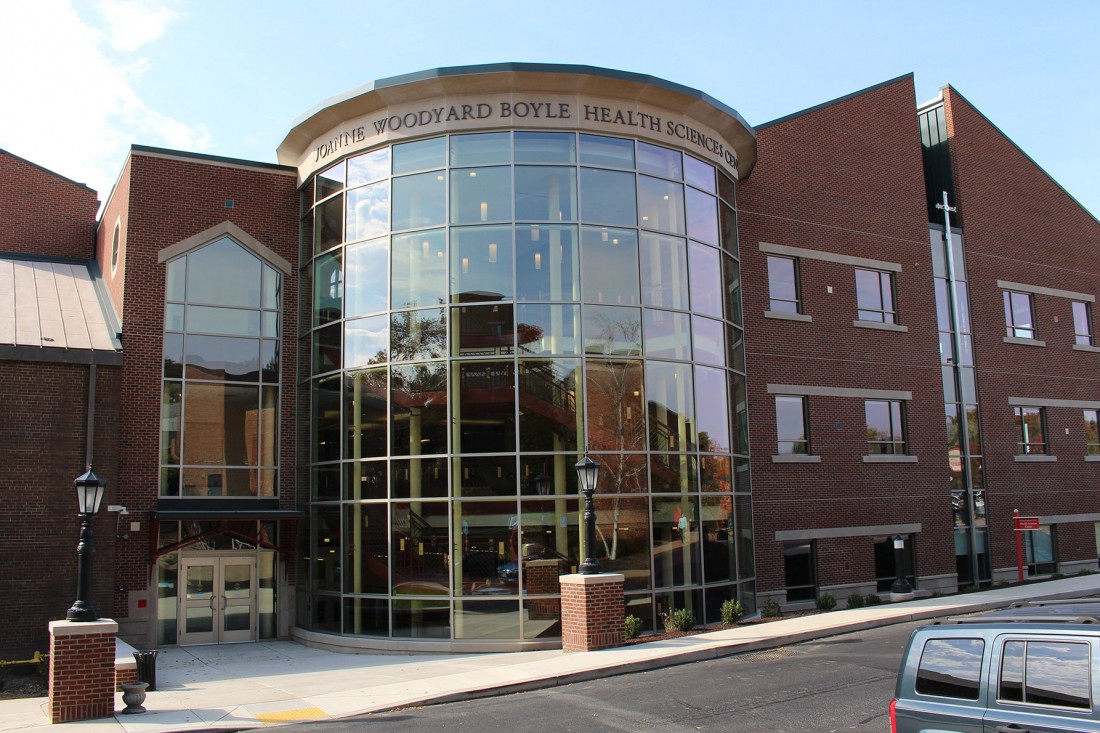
(843, 683)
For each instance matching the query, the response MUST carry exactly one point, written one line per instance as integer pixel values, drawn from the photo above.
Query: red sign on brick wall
(1027, 523)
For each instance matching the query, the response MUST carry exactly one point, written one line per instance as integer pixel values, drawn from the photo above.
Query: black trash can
(147, 668)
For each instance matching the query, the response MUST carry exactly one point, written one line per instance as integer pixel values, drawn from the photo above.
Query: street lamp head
(542, 483)
(89, 491)
(899, 542)
(588, 471)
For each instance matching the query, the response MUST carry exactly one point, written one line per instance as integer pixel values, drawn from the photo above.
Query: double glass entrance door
(218, 604)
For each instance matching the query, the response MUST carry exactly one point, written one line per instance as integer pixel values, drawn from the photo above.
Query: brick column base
(82, 670)
(592, 612)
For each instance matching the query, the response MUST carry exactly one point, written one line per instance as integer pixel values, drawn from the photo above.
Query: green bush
(632, 626)
(1057, 576)
(732, 611)
(771, 609)
(872, 599)
(678, 619)
(1084, 571)
(855, 601)
(825, 602)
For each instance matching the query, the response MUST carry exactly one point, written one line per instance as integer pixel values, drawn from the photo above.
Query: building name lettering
(533, 110)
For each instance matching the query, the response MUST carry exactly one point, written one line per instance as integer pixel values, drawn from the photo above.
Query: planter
(133, 694)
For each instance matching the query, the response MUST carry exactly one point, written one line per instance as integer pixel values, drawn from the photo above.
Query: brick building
(339, 399)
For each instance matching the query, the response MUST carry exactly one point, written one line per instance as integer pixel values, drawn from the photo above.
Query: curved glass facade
(480, 308)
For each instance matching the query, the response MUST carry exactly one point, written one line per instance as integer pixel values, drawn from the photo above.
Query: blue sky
(83, 80)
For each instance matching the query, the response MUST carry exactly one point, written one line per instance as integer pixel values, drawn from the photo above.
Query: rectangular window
(1082, 323)
(790, 426)
(875, 296)
(1092, 435)
(885, 427)
(1040, 551)
(783, 285)
(1019, 315)
(1042, 672)
(951, 668)
(799, 571)
(1030, 432)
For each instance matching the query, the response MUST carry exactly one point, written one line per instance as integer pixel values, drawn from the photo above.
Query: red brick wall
(44, 214)
(116, 211)
(591, 615)
(82, 676)
(1022, 227)
(845, 179)
(43, 435)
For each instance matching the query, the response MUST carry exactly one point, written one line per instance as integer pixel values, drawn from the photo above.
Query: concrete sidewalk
(253, 685)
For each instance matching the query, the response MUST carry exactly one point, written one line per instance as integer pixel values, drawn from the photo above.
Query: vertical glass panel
(546, 263)
(622, 538)
(735, 340)
(731, 278)
(743, 518)
(372, 166)
(270, 326)
(365, 480)
(549, 544)
(623, 473)
(176, 279)
(664, 271)
(367, 616)
(222, 358)
(328, 291)
(170, 423)
(236, 581)
(718, 539)
(713, 410)
(674, 473)
(609, 152)
(549, 398)
(548, 475)
(485, 476)
(962, 299)
(418, 478)
(366, 537)
(709, 345)
(480, 195)
(419, 201)
(612, 331)
(545, 147)
(608, 197)
(368, 211)
(670, 396)
(548, 329)
(545, 193)
(699, 174)
(616, 416)
(702, 217)
(661, 205)
(325, 425)
(221, 422)
(324, 614)
(484, 401)
(173, 317)
(365, 413)
(487, 148)
(782, 285)
(228, 321)
(419, 269)
(727, 189)
(325, 483)
(417, 335)
(660, 161)
(790, 426)
(610, 264)
(224, 273)
(943, 306)
(366, 341)
(199, 620)
(739, 402)
(950, 392)
(420, 155)
(706, 280)
(675, 542)
(715, 474)
(422, 619)
(329, 181)
(326, 348)
(305, 233)
(482, 330)
(419, 406)
(325, 547)
(419, 548)
(481, 619)
(328, 224)
(1082, 323)
(667, 334)
(367, 276)
(481, 264)
(173, 355)
(727, 220)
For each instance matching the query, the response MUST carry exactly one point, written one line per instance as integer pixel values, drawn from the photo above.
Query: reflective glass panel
(325, 424)
(328, 224)
(223, 358)
(419, 409)
(660, 161)
(667, 334)
(421, 618)
(419, 549)
(622, 538)
(419, 201)
(481, 194)
(487, 148)
(673, 473)
(420, 155)
(170, 423)
(550, 544)
(661, 205)
(545, 147)
(482, 330)
(173, 355)
(706, 280)
(731, 273)
(607, 151)
(419, 269)
(417, 335)
(707, 340)
(367, 277)
(325, 483)
(547, 266)
(670, 396)
(702, 217)
(664, 271)
(326, 348)
(485, 476)
(366, 535)
(366, 341)
(548, 329)
(224, 273)
(612, 331)
(616, 418)
(610, 266)
(545, 193)
(367, 616)
(176, 280)
(481, 264)
(416, 478)
(373, 166)
(790, 425)
(328, 288)
(675, 542)
(368, 211)
(484, 402)
(490, 536)
(221, 424)
(549, 405)
(699, 174)
(329, 181)
(715, 475)
(481, 619)
(365, 480)
(713, 421)
(365, 414)
(608, 197)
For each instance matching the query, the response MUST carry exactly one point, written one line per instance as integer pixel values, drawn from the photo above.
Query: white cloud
(73, 105)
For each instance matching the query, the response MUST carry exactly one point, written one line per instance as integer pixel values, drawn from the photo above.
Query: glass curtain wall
(484, 307)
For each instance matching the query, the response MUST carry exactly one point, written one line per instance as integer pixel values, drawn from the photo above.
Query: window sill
(784, 316)
(799, 458)
(1084, 347)
(1092, 458)
(888, 458)
(876, 326)
(1036, 458)
(1023, 342)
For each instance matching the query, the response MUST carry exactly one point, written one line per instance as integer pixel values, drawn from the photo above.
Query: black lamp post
(901, 584)
(587, 473)
(542, 483)
(89, 492)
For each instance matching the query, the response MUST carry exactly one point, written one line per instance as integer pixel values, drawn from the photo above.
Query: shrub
(855, 601)
(632, 626)
(732, 611)
(1057, 576)
(771, 609)
(872, 599)
(1084, 571)
(678, 619)
(825, 602)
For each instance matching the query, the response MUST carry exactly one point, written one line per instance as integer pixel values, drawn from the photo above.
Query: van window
(1045, 673)
(951, 668)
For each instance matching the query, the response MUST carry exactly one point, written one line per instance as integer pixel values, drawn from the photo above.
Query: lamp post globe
(89, 494)
(588, 472)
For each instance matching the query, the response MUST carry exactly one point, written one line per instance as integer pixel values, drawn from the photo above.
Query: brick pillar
(82, 670)
(592, 611)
